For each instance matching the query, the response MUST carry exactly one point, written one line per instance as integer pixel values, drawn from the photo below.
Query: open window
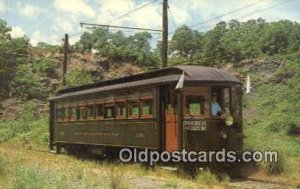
(109, 111)
(146, 103)
(99, 111)
(121, 110)
(58, 114)
(133, 109)
(72, 112)
(81, 113)
(147, 108)
(133, 105)
(65, 114)
(90, 112)
(120, 102)
(220, 100)
(194, 106)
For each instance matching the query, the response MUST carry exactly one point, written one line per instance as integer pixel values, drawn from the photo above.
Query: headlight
(227, 118)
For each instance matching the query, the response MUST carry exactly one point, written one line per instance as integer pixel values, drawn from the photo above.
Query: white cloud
(31, 11)
(2, 5)
(62, 25)
(75, 7)
(149, 16)
(17, 32)
(38, 36)
(180, 13)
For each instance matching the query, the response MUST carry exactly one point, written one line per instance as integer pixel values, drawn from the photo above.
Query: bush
(78, 76)
(45, 67)
(27, 83)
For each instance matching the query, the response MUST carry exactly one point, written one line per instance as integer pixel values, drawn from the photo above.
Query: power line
(220, 16)
(121, 27)
(267, 8)
(262, 10)
(230, 12)
(132, 11)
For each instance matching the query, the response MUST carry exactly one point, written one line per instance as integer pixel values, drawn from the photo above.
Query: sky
(48, 20)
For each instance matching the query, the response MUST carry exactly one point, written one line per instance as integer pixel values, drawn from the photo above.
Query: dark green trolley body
(167, 109)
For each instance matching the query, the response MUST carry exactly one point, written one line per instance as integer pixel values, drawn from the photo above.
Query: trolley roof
(161, 76)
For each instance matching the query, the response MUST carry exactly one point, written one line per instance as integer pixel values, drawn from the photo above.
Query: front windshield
(220, 101)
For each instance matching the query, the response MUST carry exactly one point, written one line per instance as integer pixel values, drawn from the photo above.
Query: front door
(171, 120)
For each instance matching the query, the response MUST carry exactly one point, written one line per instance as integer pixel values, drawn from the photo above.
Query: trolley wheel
(58, 149)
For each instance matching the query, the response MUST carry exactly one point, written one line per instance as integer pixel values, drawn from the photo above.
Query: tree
(185, 42)
(214, 51)
(12, 53)
(276, 37)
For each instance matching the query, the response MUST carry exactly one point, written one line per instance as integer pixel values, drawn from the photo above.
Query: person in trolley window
(215, 107)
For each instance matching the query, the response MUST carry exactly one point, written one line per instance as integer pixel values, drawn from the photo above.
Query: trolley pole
(66, 50)
(165, 34)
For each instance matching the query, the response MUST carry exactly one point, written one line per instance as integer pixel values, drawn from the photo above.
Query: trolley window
(72, 111)
(81, 115)
(220, 98)
(90, 112)
(58, 113)
(147, 108)
(121, 109)
(99, 111)
(133, 109)
(65, 114)
(194, 105)
(109, 111)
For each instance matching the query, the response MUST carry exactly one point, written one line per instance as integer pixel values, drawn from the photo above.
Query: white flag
(248, 84)
(180, 82)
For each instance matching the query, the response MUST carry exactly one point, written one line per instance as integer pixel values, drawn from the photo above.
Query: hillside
(41, 78)
(268, 52)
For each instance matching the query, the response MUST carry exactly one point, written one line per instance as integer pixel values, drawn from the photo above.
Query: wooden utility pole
(66, 50)
(165, 34)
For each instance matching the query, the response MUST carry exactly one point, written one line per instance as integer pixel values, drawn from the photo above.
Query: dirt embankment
(99, 68)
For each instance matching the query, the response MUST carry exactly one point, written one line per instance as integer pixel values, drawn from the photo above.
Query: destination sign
(195, 125)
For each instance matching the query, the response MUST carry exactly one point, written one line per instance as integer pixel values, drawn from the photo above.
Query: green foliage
(276, 37)
(29, 128)
(47, 47)
(232, 42)
(277, 112)
(12, 53)
(26, 83)
(118, 47)
(78, 76)
(45, 66)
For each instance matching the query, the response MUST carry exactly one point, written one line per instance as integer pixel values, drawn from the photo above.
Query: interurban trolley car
(168, 109)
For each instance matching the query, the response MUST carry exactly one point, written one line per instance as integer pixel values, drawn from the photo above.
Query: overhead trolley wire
(132, 11)
(228, 13)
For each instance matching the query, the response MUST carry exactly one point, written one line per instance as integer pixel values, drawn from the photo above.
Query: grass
(277, 110)
(29, 168)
